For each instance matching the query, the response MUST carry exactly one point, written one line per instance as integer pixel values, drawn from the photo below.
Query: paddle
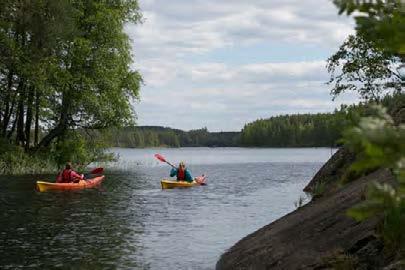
(161, 158)
(94, 171)
(97, 171)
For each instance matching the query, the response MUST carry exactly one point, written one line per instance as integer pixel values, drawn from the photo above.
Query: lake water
(130, 223)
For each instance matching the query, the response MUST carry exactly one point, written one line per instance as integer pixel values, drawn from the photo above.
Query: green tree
(95, 83)
(367, 62)
(381, 22)
(64, 65)
(359, 66)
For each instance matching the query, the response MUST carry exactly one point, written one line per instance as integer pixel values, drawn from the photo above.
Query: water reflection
(89, 227)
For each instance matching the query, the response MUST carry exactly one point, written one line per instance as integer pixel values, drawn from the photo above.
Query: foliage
(80, 149)
(359, 66)
(379, 143)
(301, 130)
(390, 202)
(64, 65)
(367, 62)
(13, 160)
(381, 22)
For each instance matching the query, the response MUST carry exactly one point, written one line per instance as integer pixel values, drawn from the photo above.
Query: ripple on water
(130, 223)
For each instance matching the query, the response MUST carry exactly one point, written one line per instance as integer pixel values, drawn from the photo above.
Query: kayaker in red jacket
(68, 175)
(181, 173)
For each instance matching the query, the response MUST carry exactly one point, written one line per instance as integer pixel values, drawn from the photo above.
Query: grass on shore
(17, 162)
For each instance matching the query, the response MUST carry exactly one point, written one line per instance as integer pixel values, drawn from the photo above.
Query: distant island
(296, 130)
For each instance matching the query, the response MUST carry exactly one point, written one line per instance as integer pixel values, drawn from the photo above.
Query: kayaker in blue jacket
(181, 173)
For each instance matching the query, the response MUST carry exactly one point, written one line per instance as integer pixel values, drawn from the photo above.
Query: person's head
(182, 166)
(68, 166)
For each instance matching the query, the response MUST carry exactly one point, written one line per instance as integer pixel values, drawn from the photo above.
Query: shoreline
(243, 147)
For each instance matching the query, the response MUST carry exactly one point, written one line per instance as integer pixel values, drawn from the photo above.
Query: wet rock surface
(313, 236)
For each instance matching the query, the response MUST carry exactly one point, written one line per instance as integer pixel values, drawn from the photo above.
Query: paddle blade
(97, 171)
(160, 157)
(201, 180)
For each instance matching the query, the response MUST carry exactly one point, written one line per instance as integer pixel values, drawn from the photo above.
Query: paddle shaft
(97, 171)
(171, 164)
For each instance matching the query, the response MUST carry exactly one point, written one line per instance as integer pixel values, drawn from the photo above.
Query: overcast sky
(220, 64)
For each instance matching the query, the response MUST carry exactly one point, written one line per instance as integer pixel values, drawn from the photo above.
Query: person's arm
(173, 172)
(189, 178)
(76, 176)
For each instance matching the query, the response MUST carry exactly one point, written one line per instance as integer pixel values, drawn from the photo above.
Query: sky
(223, 63)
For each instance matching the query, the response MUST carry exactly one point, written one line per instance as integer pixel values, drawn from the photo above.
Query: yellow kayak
(90, 183)
(168, 184)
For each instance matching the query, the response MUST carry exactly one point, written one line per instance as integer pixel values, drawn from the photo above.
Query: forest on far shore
(156, 136)
(296, 130)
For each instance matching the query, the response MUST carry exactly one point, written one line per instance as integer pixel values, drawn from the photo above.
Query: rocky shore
(318, 235)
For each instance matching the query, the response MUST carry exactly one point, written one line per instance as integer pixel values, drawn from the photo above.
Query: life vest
(66, 176)
(181, 174)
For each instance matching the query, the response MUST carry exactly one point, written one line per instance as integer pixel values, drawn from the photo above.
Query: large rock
(314, 235)
(332, 171)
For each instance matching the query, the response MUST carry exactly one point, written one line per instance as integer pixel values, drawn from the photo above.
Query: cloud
(225, 97)
(220, 73)
(184, 27)
(185, 91)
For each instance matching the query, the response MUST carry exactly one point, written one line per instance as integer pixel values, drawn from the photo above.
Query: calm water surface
(130, 223)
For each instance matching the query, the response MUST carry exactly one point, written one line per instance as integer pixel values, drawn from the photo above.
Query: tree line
(296, 130)
(154, 136)
(316, 130)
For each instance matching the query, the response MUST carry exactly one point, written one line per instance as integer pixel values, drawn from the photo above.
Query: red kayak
(90, 183)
